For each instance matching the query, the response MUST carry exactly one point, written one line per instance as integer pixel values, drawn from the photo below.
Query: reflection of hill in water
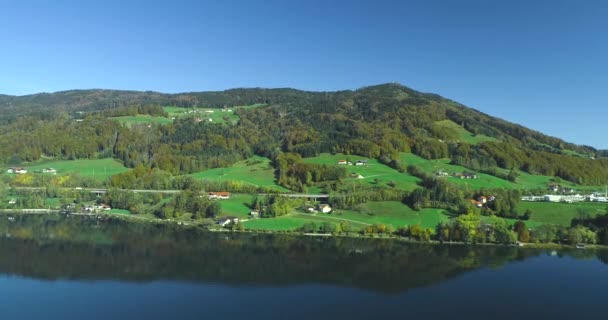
(81, 248)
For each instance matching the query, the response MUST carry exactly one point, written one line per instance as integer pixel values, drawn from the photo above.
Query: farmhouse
(465, 175)
(254, 214)
(325, 208)
(342, 162)
(227, 221)
(16, 170)
(361, 162)
(219, 195)
(49, 170)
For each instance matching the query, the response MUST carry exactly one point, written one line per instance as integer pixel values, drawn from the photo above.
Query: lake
(67, 267)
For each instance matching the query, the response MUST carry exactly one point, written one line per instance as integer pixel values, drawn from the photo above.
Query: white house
(254, 214)
(325, 208)
(18, 170)
(219, 195)
(227, 221)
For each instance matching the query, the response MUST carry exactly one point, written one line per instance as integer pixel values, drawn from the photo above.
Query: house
(482, 199)
(219, 195)
(103, 207)
(17, 170)
(442, 173)
(325, 208)
(342, 162)
(554, 187)
(254, 214)
(361, 162)
(49, 170)
(226, 221)
(465, 175)
(12, 201)
(311, 210)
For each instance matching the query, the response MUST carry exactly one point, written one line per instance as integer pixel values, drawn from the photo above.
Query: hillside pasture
(560, 213)
(100, 169)
(256, 171)
(372, 174)
(433, 166)
(461, 134)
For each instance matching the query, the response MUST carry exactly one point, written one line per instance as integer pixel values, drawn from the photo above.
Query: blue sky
(538, 63)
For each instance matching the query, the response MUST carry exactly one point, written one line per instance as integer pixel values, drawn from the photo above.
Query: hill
(377, 122)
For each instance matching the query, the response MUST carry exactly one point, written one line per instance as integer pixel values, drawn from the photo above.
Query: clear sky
(542, 64)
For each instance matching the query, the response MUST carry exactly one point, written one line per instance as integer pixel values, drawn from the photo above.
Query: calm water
(75, 268)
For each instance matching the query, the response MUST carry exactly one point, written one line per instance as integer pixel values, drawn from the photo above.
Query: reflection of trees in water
(53, 247)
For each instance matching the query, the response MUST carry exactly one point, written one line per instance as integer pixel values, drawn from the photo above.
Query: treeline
(296, 175)
(152, 110)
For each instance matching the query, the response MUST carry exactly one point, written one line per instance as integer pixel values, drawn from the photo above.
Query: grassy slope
(255, 171)
(394, 213)
(100, 169)
(217, 116)
(559, 213)
(462, 133)
(432, 166)
(374, 170)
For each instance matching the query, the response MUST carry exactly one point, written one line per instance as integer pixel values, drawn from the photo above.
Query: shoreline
(206, 228)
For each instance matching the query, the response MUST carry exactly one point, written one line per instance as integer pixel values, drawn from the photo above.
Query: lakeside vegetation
(414, 164)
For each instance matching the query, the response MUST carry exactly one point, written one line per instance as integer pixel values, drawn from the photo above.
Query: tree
(523, 235)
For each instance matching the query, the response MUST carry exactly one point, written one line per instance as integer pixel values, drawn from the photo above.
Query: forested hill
(378, 122)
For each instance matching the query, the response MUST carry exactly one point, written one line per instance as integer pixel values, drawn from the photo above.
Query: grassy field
(119, 211)
(432, 166)
(99, 169)
(389, 213)
(291, 222)
(256, 171)
(212, 115)
(560, 213)
(393, 213)
(374, 172)
(462, 134)
(236, 206)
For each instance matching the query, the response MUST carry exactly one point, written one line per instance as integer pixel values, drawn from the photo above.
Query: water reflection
(103, 248)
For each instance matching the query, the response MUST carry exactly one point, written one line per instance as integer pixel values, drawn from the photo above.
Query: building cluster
(350, 163)
(222, 195)
(459, 175)
(325, 208)
(566, 195)
(16, 170)
(482, 201)
(594, 197)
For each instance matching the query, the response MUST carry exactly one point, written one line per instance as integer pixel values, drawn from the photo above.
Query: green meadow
(256, 171)
(373, 173)
(393, 213)
(463, 134)
(211, 115)
(560, 213)
(99, 169)
(433, 166)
